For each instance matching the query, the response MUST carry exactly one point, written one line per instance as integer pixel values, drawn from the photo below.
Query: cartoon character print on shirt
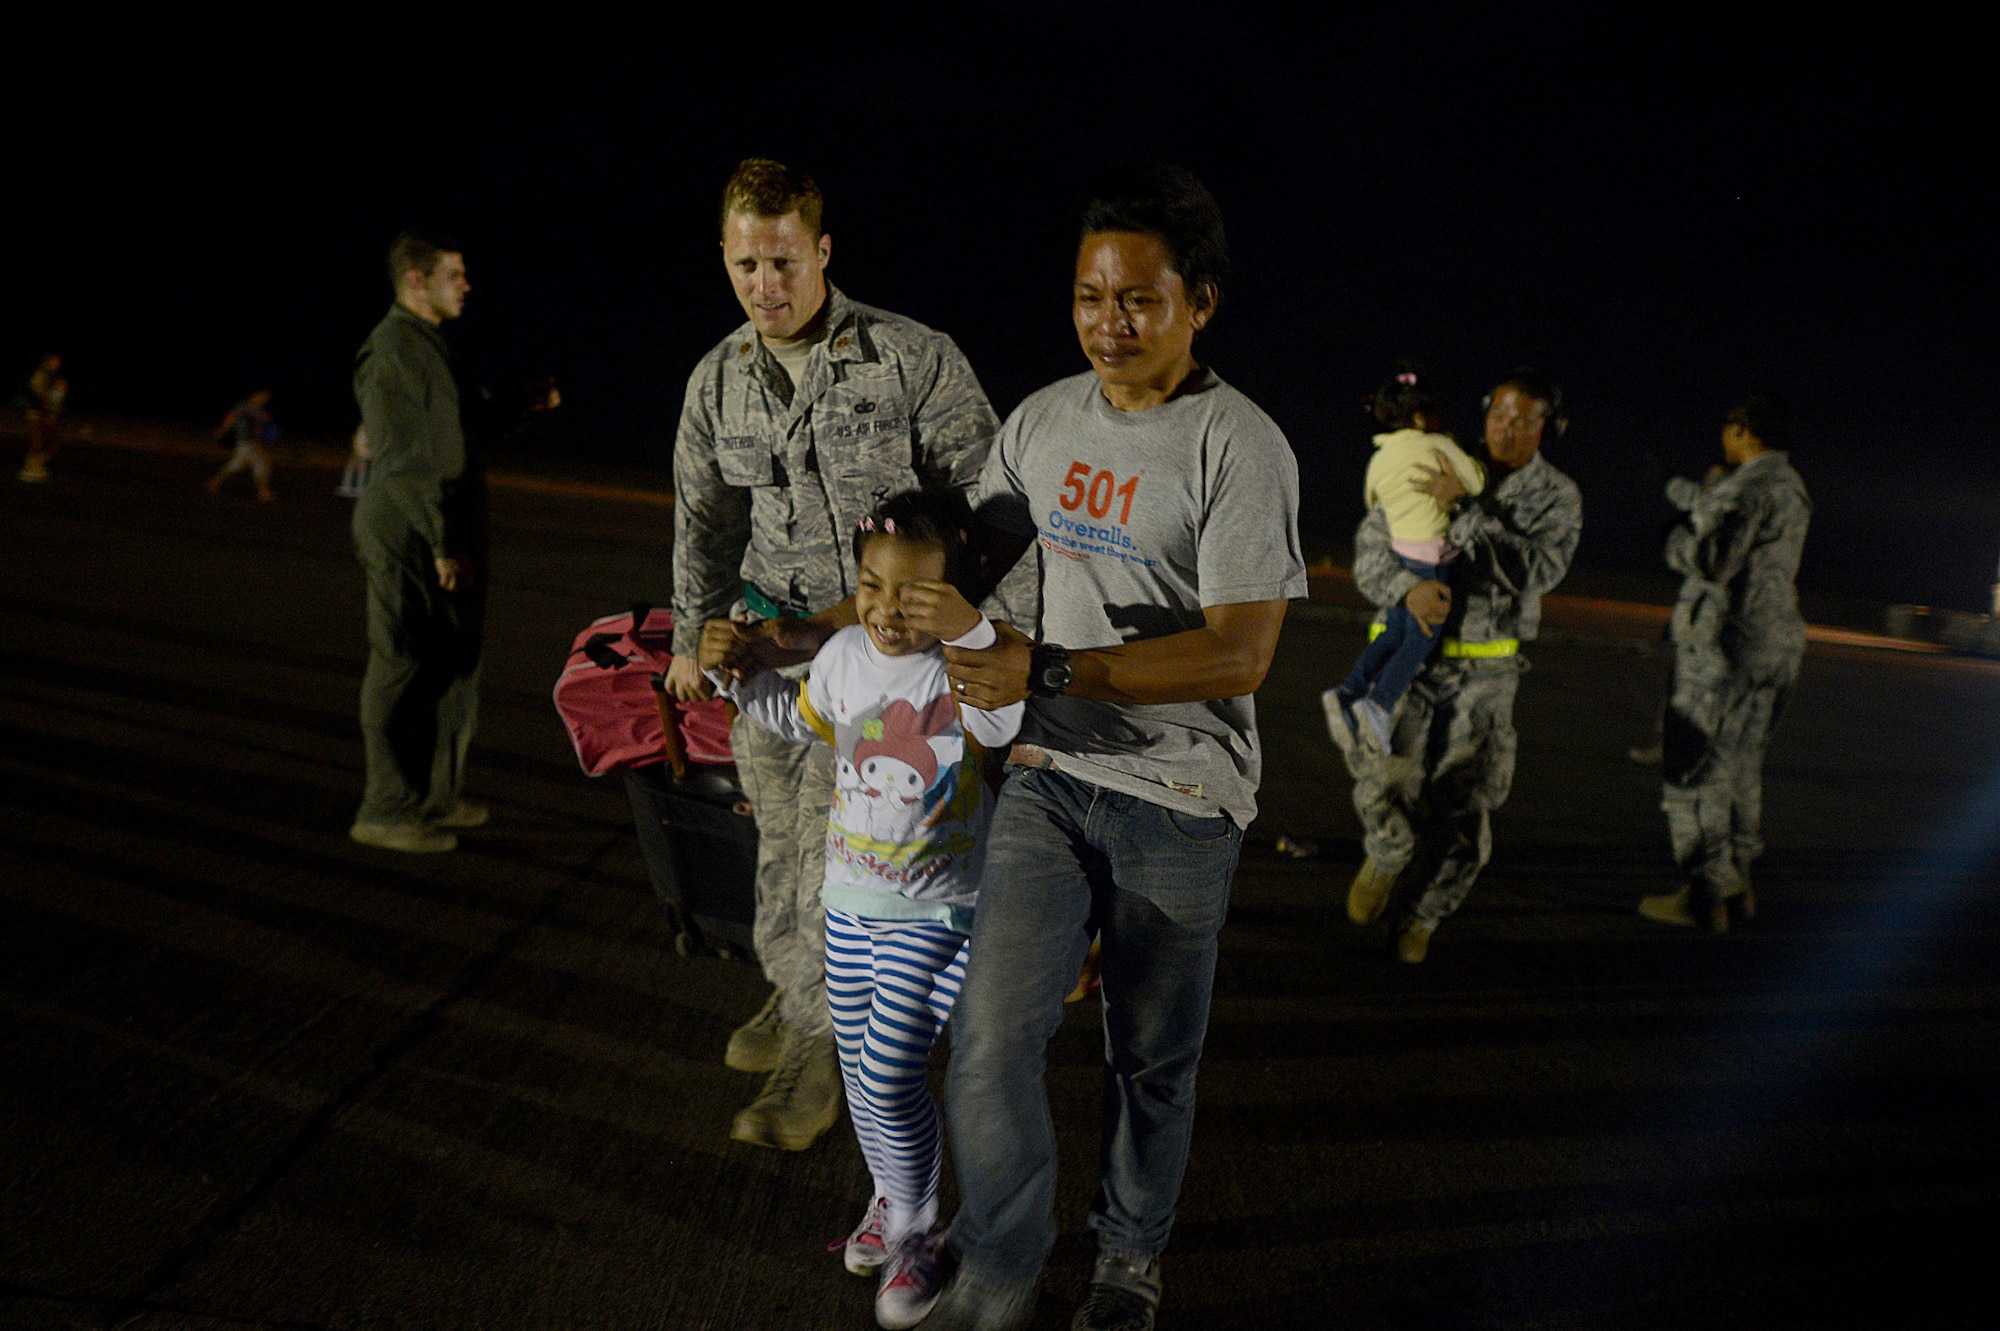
(897, 763)
(897, 781)
(846, 781)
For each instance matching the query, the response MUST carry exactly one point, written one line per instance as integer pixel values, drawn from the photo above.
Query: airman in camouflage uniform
(1738, 640)
(786, 442)
(771, 480)
(1428, 801)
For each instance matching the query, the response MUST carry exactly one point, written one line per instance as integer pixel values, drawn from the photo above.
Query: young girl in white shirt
(903, 849)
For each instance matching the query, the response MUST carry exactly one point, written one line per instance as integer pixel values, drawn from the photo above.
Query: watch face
(1050, 673)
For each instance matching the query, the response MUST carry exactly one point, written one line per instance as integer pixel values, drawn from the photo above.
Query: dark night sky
(1663, 210)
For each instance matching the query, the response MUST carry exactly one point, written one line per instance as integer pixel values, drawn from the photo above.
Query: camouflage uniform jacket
(770, 482)
(1738, 556)
(1515, 543)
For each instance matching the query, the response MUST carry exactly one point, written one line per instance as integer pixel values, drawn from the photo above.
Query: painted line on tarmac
(1333, 585)
(1632, 617)
(328, 460)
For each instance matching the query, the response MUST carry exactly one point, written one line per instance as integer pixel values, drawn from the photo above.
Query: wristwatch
(1049, 670)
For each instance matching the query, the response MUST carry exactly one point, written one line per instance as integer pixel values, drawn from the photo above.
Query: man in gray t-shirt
(1145, 519)
(1165, 505)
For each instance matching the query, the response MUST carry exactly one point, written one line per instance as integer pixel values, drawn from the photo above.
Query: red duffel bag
(612, 703)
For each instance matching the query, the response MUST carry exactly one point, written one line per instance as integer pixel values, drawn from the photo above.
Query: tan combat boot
(1744, 899)
(1668, 907)
(1687, 908)
(410, 836)
(754, 1046)
(1369, 892)
(801, 1099)
(466, 813)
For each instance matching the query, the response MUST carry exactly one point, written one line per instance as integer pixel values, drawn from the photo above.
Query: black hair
(1765, 415)
(418, 249)
(1166, 202)
(1407, 394)
(934, 516)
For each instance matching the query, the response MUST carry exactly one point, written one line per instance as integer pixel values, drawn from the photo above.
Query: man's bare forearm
(1225, 658)
(836, 617)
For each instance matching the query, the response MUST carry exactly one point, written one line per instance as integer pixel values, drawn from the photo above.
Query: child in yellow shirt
(1412, 448)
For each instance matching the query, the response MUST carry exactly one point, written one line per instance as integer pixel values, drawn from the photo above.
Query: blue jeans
(1065, 858)
(1388, 665)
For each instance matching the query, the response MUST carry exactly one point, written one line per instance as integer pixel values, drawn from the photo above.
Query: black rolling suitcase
(700, 844)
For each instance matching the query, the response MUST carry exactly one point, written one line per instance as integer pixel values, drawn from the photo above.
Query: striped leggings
(891, 984)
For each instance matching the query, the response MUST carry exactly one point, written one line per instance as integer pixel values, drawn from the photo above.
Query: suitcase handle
(670, 731)
(602, 654)
(640, 609)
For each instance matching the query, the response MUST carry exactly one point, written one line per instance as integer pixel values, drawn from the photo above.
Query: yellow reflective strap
(1498, 647)
(1475, 650)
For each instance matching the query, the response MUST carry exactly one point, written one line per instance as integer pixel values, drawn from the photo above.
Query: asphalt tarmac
(254, 1075)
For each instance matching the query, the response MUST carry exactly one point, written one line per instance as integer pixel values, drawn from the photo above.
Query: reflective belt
(1474, 650)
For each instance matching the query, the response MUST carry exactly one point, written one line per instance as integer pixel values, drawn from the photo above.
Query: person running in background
(1738, 641)
(47, 390)
(1413, 450)
(903, 844)
(251, 421)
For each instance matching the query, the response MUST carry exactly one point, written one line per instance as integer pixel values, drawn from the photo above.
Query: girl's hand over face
(937, 608)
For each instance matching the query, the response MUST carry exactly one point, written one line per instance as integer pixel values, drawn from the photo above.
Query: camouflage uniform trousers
(1713, 793)
(1428, 802)
(791, 788)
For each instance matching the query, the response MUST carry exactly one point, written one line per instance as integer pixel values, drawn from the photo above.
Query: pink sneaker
(911, 1281)
(866, 1249)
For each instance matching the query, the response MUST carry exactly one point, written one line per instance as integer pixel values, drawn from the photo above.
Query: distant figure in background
(419, 532)
(1738, 640)
(1427, 804)
(1996, 592)
(1412, 450)
(47, 390)
(250, 419)
(354, 476)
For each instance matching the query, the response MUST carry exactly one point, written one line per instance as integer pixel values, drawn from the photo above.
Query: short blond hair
(764, 188)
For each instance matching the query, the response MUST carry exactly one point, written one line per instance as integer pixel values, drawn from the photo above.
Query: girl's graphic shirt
(910, 805)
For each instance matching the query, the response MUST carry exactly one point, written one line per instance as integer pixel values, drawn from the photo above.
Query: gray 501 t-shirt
(1145, 517)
